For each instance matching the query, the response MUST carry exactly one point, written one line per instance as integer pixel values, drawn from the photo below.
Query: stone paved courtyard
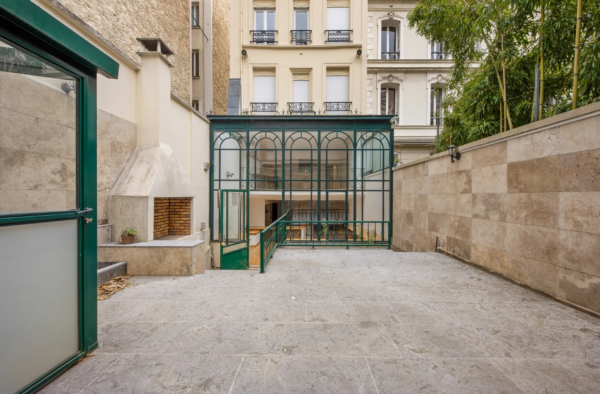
(338, 321)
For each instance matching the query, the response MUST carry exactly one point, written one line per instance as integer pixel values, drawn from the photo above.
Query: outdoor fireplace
(172, 216)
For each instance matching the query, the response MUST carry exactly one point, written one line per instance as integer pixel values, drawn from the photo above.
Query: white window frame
(432, 108)
(195, 63)
(196, 14)
(307, 18)
(265, 11)
(395, 49)
(387, 99)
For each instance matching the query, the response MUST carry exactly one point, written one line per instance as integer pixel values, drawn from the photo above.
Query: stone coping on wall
(155, 244)
(544, 124)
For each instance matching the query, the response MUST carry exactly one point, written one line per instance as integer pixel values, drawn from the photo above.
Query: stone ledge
(155, 244)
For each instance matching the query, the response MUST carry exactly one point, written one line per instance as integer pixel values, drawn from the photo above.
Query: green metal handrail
(314, 233)
(273, 236)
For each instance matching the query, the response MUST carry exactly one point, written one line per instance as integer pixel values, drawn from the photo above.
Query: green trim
(30, 28)
(30, 17)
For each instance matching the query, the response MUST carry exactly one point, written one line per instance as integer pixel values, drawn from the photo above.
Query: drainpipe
(577, 50)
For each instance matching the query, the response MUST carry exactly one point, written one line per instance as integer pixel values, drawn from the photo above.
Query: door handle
(85, 210)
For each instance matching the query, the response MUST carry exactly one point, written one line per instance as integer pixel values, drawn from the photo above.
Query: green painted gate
(234, 219)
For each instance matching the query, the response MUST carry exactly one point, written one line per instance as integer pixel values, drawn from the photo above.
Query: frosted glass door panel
(38, 300)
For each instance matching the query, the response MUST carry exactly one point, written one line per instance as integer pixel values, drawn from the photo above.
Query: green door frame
(239, 258)
(32, 29)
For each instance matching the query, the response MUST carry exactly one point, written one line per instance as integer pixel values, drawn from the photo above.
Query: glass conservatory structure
(298, 180)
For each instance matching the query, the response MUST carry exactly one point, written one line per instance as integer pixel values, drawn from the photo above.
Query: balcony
(296, 108)
(263, 36)
(390, 55)
(264, 107)
(338, 36)
(438, 55)
(301, 37)
(344, 106)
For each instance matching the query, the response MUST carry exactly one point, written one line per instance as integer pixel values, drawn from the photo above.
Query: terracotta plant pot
(127, 239)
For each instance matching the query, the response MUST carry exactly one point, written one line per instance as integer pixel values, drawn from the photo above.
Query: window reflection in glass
(38, 134)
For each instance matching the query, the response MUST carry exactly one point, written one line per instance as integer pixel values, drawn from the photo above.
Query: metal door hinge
(89, 220)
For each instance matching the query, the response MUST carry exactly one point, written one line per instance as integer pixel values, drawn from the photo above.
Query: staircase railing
(314, 233)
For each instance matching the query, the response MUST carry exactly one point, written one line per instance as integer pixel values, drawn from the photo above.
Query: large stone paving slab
(338, 321)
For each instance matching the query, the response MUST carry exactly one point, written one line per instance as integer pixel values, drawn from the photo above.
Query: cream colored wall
(200, 154)
(286, 58)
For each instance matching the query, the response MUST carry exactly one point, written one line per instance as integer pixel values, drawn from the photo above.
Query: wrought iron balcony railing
(338, 35)
(263, 36)
(345, 106)
(301, 108)
(264, 107)
(438, 55)
(301, 37)
(390, 55)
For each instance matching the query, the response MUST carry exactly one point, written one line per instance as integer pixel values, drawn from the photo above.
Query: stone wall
(525, 204)
(121, 22)
(220, 36)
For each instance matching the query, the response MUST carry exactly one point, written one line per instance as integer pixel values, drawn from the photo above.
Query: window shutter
(337, 88)
(301, 91)
(264, 89)
(338, 18)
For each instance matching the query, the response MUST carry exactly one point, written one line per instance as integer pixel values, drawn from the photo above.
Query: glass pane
(234, 219)
(391, 104)
(383, 101)
(38, 300)
(301, 20)
(392, 39)
(384, 41)
(259, 20)
(38, 134)
(270, 20)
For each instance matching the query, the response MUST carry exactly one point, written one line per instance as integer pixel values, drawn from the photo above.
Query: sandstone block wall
(220, 36)
(121, 22)
(525, 203)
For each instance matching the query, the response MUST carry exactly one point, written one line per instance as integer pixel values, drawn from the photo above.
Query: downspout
(577, 50)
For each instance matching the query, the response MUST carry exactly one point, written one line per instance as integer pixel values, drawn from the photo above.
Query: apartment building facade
(338, 57)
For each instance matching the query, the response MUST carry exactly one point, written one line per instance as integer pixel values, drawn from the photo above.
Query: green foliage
(474, 101)
(129, 232)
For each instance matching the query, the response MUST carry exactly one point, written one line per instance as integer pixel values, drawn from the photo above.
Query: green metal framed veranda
(329, 177)
(48, 311)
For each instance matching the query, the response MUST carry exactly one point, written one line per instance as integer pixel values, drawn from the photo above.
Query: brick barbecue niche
(172, 216)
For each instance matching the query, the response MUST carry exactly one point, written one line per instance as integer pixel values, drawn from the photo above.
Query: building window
(196, 105)
(338, 25)
(195, 64)
(301, 33)
(337, 95)
(388, 101)
(389, 43)
(264, 94)
(437, 51)
(195, 15)
(264, 26)
(438, 94)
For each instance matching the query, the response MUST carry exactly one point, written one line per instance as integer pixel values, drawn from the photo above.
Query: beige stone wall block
(36, 200)
(103, 150)
(437, 203)
(136, 259)
(459, 247)
(459, 204)
(580, 171)
(580, 252)
(580, 135)
(465, 163)
(170, 262)
(579, 288)
(535, 274)
(459, 227)
(580, 212)
(491, 179)
(33, 171)
(119, 153)
(491, 155)
(438, 184)
(421, 240)
(533, 209)
(406, 173)
(103, 208)
(397, 204)
(490, 206)
(420, 220)
(420, 202)
(437, 223)
(437, 166)
(490, 258)
(421, 170)
(220, 52)
(407, 201)
(538, 243)
(406, 217)
(103, 177)
(459, 182)
(408, 186)
(397, 184)
(491, 234)
(26, 133)
(422, 185)
(534, 176)
(534, 146)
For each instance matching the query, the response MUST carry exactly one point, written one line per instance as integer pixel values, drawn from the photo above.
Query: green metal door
(234, 225)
